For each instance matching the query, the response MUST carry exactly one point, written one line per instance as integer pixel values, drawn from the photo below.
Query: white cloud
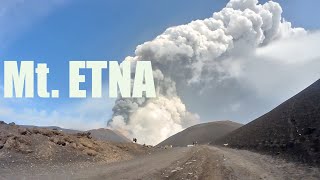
(259, 81)
(293, 50)
(285, 67)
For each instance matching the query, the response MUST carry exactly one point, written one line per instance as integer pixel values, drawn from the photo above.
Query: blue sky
(60, 31)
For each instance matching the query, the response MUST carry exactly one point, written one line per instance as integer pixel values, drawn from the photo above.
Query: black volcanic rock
(201, 133)
(291, 130)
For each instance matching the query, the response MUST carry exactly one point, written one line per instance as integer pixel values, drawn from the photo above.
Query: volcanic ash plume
(196, 55)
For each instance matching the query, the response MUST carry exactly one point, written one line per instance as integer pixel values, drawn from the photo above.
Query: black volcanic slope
(202, 133)
(291, 130)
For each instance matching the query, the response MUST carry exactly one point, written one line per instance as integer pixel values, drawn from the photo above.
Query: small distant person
(135, 140)
(195, 143)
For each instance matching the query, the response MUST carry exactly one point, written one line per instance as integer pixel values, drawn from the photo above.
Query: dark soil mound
(291, 130)
(201, 133)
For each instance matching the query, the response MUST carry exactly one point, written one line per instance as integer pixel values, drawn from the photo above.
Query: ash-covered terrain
(201, 133)
(291, 130)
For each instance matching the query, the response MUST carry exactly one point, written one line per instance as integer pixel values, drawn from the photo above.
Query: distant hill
(99, 134)
(202, 133)
(108, 135)
(68, 131)
(292, 129)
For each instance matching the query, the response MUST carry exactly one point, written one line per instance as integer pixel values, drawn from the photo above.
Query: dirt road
(202, 162)
(215, 163)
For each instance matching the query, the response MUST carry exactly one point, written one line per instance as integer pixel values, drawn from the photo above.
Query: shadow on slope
(291, 130)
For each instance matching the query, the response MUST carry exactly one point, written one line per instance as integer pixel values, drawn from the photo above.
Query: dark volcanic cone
(201, 133)
(291, 130)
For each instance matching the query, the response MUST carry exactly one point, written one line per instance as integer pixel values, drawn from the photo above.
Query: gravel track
(201, 162)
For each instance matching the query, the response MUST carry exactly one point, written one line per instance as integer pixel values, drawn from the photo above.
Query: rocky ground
(30, 147)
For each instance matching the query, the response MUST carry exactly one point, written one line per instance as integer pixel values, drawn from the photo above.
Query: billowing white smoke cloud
(189, 60)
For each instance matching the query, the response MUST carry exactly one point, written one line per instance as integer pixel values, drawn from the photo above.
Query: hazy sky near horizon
(57, 31)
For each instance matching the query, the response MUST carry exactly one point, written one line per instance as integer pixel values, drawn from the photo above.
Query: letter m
(18, 80)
